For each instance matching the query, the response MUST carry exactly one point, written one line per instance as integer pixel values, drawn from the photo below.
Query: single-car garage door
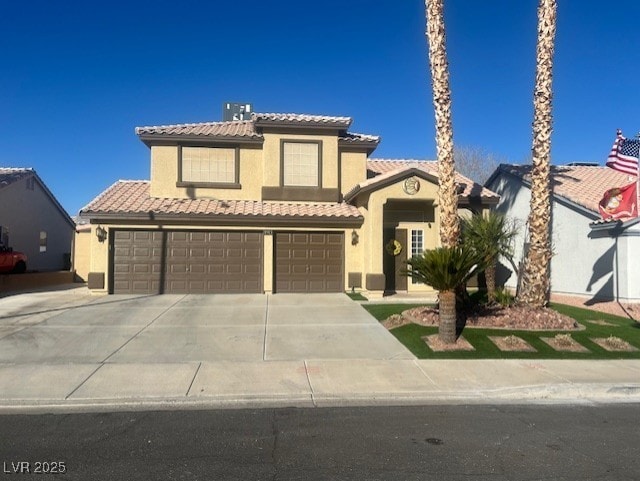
(152, 262)
(309, 262)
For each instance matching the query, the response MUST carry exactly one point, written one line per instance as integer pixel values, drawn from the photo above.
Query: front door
(401, 260)
(394, 259)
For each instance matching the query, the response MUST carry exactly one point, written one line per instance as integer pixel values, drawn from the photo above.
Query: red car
(11, 261)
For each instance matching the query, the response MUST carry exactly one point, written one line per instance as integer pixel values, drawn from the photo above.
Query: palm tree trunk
(447, 315)
(535, 280)
(490, 279)
(447, 196)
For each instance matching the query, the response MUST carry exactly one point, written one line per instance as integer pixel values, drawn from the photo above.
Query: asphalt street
(380, 443)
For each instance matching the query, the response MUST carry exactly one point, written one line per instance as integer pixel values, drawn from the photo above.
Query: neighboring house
(593, 258)
(278, 203)
(33, 221)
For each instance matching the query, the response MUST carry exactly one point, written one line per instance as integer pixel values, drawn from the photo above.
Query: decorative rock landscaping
(564, 343)
(512, 344)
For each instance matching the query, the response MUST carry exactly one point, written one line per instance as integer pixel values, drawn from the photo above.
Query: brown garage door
(309, 262)
(151, 262)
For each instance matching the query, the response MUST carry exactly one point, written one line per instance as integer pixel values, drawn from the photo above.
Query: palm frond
(491, 236)
(444, 268)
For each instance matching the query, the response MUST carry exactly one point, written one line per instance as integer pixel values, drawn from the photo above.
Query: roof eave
(301, 124)
(53, 199)
(359, 145)
(224, 219)
(155, 139)
(469, 200)
(615, 225)
(358, 189)
(496, 173)
(558, 198)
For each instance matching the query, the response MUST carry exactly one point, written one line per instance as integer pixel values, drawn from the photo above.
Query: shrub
(504, 298)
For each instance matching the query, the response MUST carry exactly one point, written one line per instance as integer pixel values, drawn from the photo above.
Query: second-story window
(301, 164)
(208, 164)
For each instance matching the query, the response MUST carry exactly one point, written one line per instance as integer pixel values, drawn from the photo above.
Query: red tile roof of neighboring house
(131, 197)
(582, 185)
(382, 168)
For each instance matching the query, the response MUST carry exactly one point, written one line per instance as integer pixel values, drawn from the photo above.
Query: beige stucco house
(278, 203)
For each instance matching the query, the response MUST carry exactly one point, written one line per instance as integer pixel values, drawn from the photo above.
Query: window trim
(301, 141)
(217, 185)
(421, 236)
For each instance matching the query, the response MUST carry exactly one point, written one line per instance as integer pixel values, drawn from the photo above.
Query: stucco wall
(272, 154)
(259, 166)
(82, 253)
(625, 265)
(24, 213)
(353, 169)
(164, 176)
(372, 208)
(581, 264)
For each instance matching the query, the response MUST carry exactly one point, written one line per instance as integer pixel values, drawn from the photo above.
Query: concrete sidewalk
(142, 386)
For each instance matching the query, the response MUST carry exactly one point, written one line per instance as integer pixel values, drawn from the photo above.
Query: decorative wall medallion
(411, 186)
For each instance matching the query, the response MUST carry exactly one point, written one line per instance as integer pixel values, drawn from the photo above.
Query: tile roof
(9, 175)
(132, 197)
(233, 129)
(250, 130)
(383, 168)
(316, 120)
(380, 166)
(353, 138)
(582, 185)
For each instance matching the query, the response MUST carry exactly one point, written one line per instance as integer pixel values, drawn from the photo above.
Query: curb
(549, 394)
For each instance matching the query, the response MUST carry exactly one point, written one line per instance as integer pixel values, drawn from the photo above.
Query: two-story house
(278, 203)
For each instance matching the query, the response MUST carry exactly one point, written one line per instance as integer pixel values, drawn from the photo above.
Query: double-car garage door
(180, 261)
(156, 262)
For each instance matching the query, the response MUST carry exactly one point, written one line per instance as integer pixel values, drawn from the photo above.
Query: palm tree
(444, 269)
(490, 236)
(535, 278)
(447, 195)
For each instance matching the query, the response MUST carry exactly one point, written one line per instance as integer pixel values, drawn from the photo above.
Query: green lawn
(356, 296)
(410, 335)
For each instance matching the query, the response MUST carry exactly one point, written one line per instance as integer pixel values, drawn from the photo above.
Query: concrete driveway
(66, 350)
(69, 327)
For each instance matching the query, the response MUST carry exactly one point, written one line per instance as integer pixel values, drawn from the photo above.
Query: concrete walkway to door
(70, 351)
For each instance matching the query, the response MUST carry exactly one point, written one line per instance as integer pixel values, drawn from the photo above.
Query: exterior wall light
(101, 234)
(355, 238)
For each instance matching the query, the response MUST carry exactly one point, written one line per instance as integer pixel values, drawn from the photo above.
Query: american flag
(624, 155)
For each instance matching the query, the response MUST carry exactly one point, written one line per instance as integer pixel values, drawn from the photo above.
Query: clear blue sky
(78, 77)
